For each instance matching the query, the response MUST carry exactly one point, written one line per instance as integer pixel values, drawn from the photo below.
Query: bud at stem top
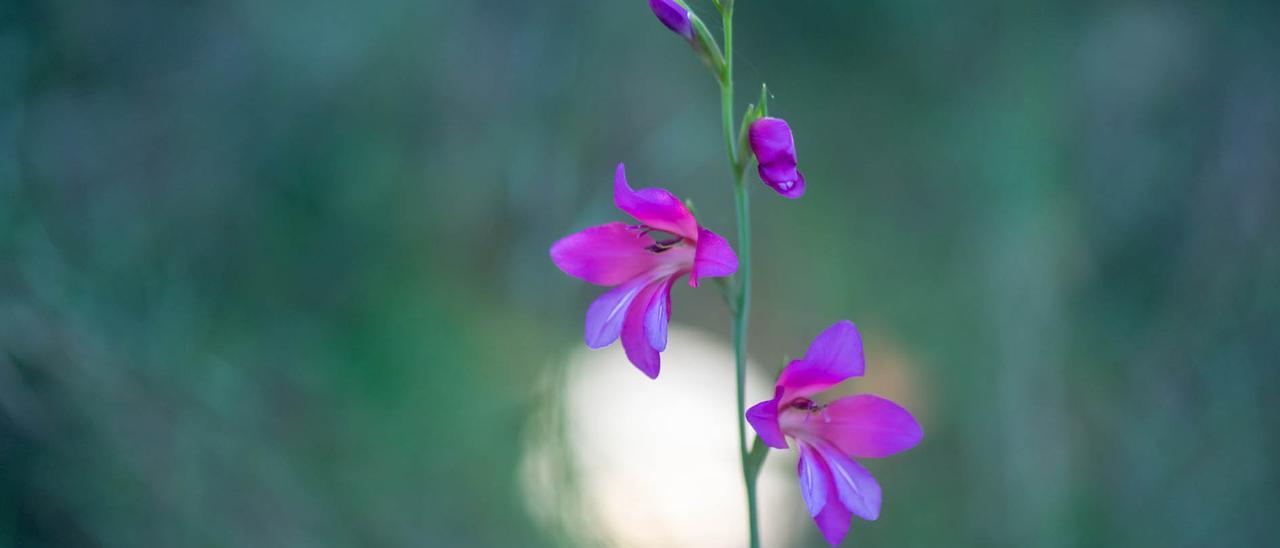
(674, 16)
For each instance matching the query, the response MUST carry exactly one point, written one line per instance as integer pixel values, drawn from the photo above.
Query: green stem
(726, 97)
(740, 323)
(742, 309)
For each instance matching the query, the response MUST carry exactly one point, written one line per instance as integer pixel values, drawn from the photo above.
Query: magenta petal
(780, 171)
(835, 355)
(834, 521)
(832, 518)
(772, 142)
(802, 379)
(713, 258)
(674, 16)
(654, 207)
(606, 314)
(796, 190)
(763, 418)
(658, 313)
(785, 180)
(634, 339)
(859, 491)
(869, 426)
(608, 254)
(838, 348)
(815, 479)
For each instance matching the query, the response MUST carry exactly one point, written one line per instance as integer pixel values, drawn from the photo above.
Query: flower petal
(608, 254)
(778, 171)
(859, 491)
(657, 314)
(795, 191)
(802, 379)
(634, 339)
(606, 314)
(835, 355)
(772, 142)
(713, 258)
(838, 348)
(787, 181)
(763, 418)
(834, 521)
(869, 426)
(673, 16)
(815, 479)
(823, 502)
(655, 207)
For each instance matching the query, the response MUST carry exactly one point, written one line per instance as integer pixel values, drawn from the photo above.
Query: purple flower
(775, 151)
(674, 16)
(834, 486)
(642, 267)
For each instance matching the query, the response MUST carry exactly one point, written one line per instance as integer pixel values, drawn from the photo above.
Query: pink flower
(834, 486)
(643, 269)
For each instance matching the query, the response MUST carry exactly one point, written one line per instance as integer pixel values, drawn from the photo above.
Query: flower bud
(775, 151)
(674, 16)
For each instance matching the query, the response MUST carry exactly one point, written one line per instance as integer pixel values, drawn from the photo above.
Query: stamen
(664, 245)
(806, 404)
(811, 408)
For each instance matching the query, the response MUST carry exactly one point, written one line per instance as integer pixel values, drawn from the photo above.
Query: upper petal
(868, 426)
(763, 418)
(713, 258)
(859, 491)
(835, 355)
(608, 254)
(772, 142)
(838, 348)
(801, 379)
(655, 207)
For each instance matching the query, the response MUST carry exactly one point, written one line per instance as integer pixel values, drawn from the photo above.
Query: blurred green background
(275, 273)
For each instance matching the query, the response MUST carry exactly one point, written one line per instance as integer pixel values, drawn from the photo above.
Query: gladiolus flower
(834, 486)
(775, 151)
(674, 16)
(643, 269)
